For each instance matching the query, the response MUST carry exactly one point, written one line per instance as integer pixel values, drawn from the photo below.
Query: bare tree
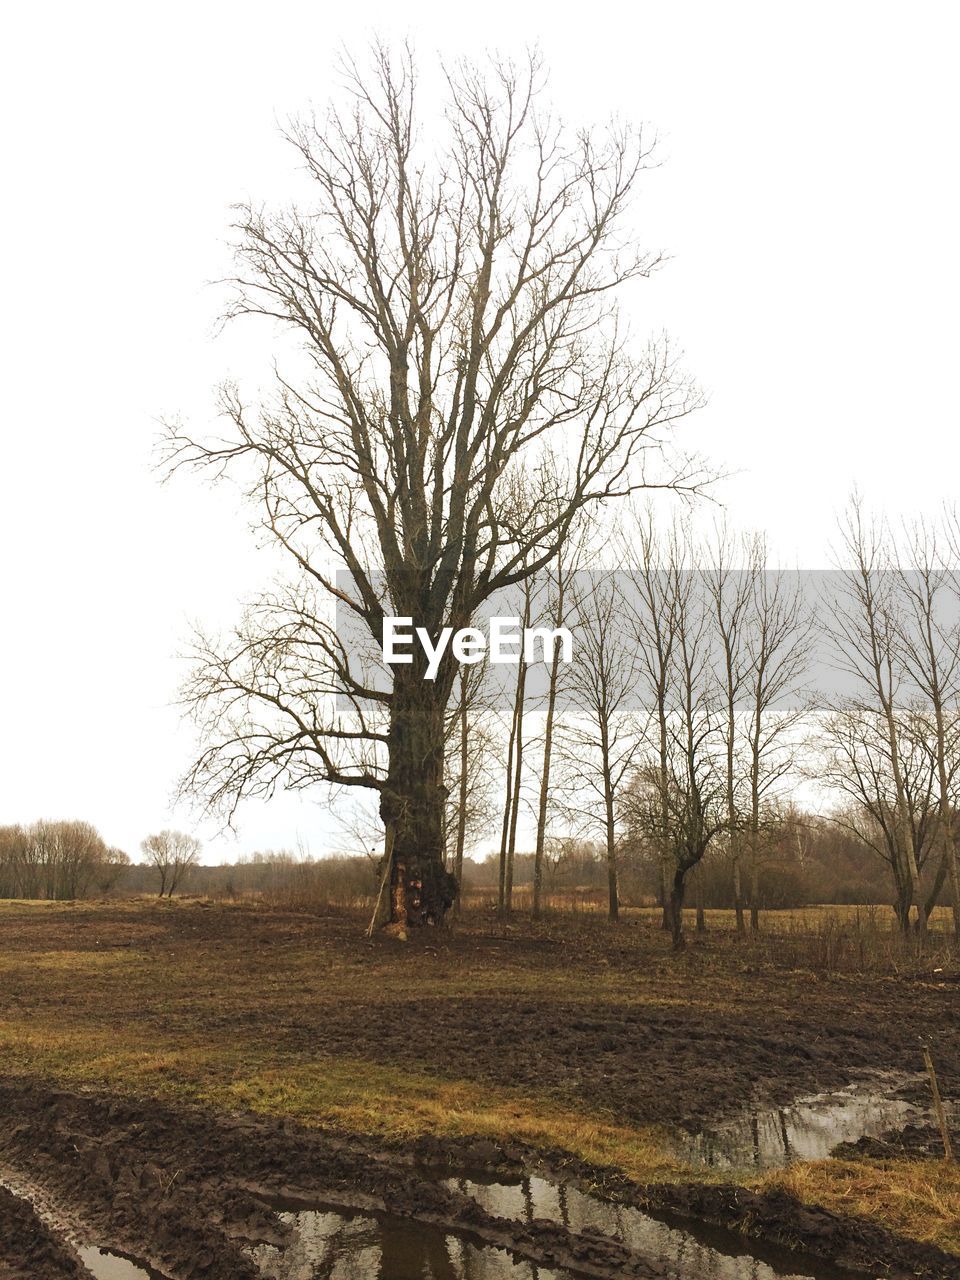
(930, 642)
(778, 647)
(862, 621)
(560, 580)
(514, 773)
(731, 590)
(599, 737)
(172, 854)
(455, 303)
(655, 564)
(55, 860)
(854, 761)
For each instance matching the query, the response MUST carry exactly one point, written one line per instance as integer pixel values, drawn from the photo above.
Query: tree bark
(421, 889)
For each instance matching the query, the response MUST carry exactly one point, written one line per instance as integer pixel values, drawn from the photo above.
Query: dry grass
(185, 1002)
(917, 1198)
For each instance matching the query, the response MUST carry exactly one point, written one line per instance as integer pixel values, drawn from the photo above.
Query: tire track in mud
(190, 1191)
(31, 1245)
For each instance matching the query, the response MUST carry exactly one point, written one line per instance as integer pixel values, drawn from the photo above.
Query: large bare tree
(453, 290)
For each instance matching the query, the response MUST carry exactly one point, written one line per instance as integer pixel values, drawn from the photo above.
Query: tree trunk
(613, 887)
(954, 886)
(701, 909)
(677, 893)
(462, 812)
(665, 917)
(421, 889)
(937, 886)
(545, 786)
(738, 886)
(517, 780)
(507, 811)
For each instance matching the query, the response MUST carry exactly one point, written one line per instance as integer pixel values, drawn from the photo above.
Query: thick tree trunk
(421, 889)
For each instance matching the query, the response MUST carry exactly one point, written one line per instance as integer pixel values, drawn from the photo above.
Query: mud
(189, 1194)
(675, 1041)
(29, 1249)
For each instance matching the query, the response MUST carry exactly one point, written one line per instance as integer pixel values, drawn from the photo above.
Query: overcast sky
(808, 198)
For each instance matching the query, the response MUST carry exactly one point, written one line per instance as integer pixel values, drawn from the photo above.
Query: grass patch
(233, 1007)
(916, 1198)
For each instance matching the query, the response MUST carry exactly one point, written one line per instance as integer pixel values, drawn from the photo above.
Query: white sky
(809, 198)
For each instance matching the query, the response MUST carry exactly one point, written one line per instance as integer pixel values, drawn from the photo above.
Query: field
(213, 1047)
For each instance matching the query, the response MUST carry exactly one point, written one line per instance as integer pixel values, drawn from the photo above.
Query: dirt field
(590, 1044)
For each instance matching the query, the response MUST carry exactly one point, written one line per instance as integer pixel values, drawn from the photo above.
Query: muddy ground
(188, 1192)
(600, 1018)
(598, 1021)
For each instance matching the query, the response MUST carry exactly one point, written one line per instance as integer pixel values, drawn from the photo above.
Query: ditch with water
(327, 1242)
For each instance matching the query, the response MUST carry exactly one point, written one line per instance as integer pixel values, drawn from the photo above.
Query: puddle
(106, 1265)
(689, 1252)
(334, 1245)
(807, 1129)
(337, 1246)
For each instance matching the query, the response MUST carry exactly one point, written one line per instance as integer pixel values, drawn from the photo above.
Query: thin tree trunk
(754, 883)
(665, 917)
(517, 780)
(463, 791)
(507, 810)
(677, 893)
(613, 887)
(545, 784)
(737, 883)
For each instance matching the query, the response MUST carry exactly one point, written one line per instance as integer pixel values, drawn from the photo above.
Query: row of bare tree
(59, 860)
(707, 690)
(67, 860)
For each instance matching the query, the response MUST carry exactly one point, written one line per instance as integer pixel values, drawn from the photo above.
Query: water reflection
(331, 1246)
(105, 1265)
(328, 1245)
(808, 1129)
(700, 1254)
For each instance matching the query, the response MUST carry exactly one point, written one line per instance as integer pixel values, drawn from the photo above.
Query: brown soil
(600, 1020)
(912, 1140)
(671, 1040)
(28, 1249)
(186, 1190)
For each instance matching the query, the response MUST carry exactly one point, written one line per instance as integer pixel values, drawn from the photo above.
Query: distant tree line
(58, 860)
